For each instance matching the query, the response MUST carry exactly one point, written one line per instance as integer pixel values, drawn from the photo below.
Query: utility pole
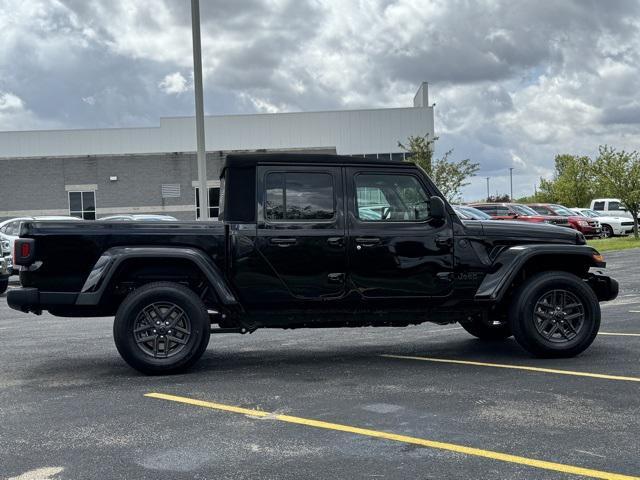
(488, 189)
(197, 87)
(511, 182)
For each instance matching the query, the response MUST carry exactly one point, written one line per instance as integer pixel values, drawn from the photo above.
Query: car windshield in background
(589, 213)
(560, 210)
(474, 213)
(523, 210)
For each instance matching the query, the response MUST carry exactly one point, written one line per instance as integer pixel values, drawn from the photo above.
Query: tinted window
(391, 198)
(616, 206)
(502, 211)
(598, 206)
(299, 196)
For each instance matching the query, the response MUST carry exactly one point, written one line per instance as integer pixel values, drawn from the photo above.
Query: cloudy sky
(514, 82)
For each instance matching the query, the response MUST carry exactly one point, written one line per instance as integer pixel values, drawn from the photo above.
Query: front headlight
(583, 223)
(5, 245)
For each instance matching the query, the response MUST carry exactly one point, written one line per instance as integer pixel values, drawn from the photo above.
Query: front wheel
(607, 231)
(555, 314)
(161, 328)
(4, 284)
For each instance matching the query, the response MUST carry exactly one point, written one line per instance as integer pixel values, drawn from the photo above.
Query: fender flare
(107, 265)
(510, 262)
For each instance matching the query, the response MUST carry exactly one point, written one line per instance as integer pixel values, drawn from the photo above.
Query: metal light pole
(488, 189)
(197, 84)
(511, 181)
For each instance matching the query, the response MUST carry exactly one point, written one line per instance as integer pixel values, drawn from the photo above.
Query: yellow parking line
(620, 334)
(477, 452)
(517, 367)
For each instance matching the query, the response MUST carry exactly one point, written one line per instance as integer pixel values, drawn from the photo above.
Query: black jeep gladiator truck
(314, 241)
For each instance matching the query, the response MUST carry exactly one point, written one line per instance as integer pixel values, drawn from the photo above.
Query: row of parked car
(10, 230)
(591, 223)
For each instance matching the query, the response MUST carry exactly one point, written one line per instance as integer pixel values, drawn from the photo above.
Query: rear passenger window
(598, 206)
(299, 196)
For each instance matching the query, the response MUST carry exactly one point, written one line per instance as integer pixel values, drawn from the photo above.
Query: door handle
(367, 241)
(444, 241)
(282, 241)
(335, 241)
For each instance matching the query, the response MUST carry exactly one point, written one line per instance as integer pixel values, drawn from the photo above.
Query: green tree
(575, 183)
(619, 173)
(449, 176)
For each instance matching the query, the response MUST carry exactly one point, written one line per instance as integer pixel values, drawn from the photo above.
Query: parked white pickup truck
(612, 207)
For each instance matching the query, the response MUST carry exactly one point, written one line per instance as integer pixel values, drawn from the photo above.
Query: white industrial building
(97, 172)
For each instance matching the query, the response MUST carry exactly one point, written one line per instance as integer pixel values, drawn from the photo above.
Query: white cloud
(10, 102)
(174, 83)
(515, 83)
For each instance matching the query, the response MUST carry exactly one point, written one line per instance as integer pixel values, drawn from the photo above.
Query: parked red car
(517, 211)
(589, 227)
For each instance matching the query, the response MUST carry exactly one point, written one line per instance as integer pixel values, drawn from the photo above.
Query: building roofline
(231, 115)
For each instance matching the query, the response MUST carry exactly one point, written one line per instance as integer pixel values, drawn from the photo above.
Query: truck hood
(531, 232)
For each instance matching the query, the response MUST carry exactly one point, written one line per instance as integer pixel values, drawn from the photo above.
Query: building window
(82, 205)
(214, 202)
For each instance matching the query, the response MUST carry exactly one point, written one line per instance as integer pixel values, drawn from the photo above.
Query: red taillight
(23, 250)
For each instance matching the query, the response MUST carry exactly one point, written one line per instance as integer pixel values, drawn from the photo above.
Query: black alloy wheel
(162, 329)
(559, 316)
(554, 314)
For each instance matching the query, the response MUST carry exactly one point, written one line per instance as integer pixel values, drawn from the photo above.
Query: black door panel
(301, 232)
(394, 249)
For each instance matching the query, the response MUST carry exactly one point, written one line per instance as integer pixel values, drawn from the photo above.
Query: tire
(487, 331)
(533, 315)
(4, 284)
(172, 319)
(607, 231)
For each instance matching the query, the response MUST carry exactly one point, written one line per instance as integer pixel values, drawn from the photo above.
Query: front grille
(592, 223)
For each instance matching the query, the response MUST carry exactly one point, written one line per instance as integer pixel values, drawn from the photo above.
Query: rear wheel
(161, 328)
(488, 330)
(4, 284)
(555, 314)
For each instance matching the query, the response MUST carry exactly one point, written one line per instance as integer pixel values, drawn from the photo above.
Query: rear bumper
(605, 288)
(33, 300)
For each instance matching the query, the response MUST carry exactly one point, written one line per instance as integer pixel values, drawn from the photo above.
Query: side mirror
(437, 208)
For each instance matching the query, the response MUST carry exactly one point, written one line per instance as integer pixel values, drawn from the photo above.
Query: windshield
(589, 213)
(524, 210)
(560, 210)
(475, 214)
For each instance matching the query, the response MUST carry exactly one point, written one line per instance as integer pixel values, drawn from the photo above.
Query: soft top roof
(248, 160)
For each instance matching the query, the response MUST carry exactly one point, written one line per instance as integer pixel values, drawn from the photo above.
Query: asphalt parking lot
(323, 404)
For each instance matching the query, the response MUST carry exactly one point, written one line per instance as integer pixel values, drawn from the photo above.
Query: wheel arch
(515, 264)
(147, 264)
